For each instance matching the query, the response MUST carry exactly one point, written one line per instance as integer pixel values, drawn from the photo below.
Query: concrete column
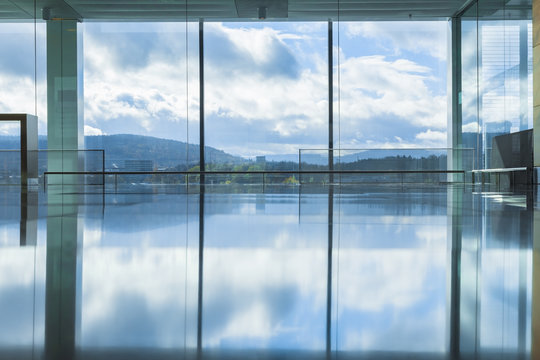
(536, 80)
(65, 128)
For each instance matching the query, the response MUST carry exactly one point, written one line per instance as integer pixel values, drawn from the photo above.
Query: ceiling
(246, 10)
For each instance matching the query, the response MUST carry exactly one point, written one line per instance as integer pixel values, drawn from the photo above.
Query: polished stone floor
(289, 273)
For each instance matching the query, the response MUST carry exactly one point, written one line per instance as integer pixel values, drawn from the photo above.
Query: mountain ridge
(165, 153)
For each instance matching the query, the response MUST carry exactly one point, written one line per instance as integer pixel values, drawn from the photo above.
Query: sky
(265, 83)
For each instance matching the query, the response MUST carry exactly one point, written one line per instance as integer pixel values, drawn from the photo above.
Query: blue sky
(265, 83)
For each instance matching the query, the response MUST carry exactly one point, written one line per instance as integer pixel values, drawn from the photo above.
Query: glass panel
(141, 88)
(22, 79)
(22, 254)
(497, 73)
(22, 70)
(390, 85)
(471, 130)
(266, 94)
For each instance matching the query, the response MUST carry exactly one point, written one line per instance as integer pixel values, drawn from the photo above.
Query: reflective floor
(289, 273)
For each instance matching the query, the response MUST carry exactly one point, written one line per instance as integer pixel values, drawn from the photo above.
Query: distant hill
(171, 154)
(163, 152)
(13, 142)
(320, 157)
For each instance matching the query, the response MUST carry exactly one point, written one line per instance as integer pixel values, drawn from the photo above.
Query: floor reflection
(336, 272)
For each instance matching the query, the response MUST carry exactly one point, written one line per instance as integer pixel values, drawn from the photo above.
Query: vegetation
(169, 155)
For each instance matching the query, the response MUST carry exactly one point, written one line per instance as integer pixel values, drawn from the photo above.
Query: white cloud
(423, 37)
(17, 96)
(373, 86)
(437, 138)
(148, 100)
(92, 131)
(257, 43)
(265, 113)
(9, 128)
(471, 127)
(383, 99)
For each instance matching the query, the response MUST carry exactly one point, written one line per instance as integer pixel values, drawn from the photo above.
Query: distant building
(138, 165)
(260, 159)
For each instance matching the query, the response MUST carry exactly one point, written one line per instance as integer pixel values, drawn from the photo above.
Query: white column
(65, 124)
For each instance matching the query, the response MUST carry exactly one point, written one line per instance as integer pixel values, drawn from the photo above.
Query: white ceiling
(246, 10)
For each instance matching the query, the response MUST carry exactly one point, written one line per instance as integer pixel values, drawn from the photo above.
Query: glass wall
(141, 95)
(390, 93)
(22, 89)
(496, 61)
(390, 84)
(22, 250)
(23, 73)
(469, 83)
(266, 87)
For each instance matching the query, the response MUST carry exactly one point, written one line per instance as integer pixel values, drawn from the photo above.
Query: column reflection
(63, 281)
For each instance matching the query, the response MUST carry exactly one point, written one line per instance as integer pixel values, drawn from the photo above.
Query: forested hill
(163, 152)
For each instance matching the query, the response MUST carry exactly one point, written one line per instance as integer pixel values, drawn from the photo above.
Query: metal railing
(387, 167)
(479, 176)
(42, 161)
(263, 173)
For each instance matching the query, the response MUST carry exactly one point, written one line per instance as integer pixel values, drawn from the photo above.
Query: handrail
(53, 151)
(385, 149)
(499, 170)
(247, 172)
(58, 150)
(244, 172)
